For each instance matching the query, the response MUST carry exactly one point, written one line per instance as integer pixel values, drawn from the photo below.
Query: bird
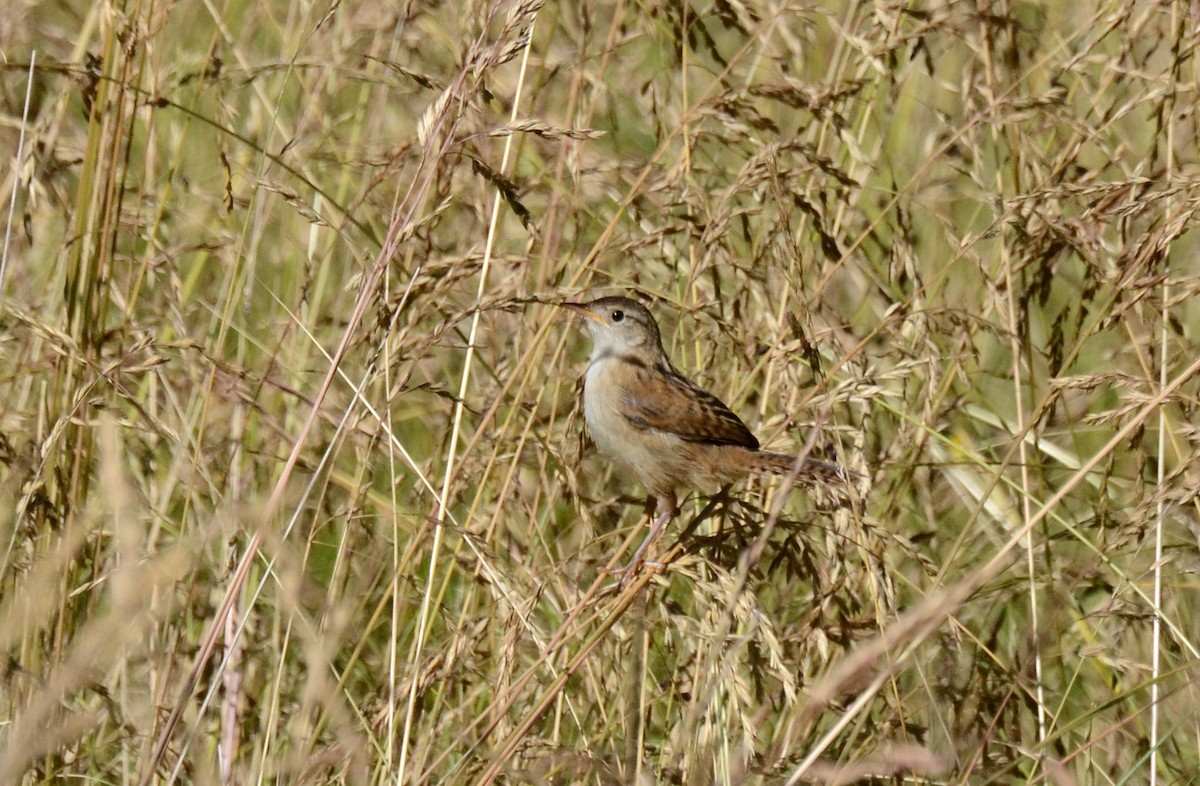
(661, 427)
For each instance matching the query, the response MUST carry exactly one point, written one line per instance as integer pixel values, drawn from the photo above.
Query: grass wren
(664, 429)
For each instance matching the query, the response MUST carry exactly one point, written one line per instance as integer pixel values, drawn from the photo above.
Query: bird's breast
(603, 390)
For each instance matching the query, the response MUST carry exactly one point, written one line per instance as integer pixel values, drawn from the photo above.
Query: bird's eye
(618, 316)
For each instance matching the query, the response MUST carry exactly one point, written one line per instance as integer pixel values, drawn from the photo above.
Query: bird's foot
(627, 572)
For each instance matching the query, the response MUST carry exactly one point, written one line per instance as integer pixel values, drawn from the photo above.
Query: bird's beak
(582, 310)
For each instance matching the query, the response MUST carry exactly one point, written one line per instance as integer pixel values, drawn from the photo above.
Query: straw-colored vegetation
(295, 482)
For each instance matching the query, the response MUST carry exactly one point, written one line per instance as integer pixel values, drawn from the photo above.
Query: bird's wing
(665, 400)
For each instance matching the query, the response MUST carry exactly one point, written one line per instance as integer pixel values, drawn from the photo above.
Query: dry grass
(275, 305)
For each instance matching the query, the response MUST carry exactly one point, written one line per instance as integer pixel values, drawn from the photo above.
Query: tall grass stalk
(298, 487)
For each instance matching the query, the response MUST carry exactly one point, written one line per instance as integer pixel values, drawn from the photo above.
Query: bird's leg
(655, 529)
(666, 511)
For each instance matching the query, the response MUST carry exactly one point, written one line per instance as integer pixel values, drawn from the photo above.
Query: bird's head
(618, 326)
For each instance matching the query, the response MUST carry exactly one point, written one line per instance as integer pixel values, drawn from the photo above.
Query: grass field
(295, 482)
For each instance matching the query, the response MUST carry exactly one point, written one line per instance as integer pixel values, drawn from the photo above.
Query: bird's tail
(805, 468)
